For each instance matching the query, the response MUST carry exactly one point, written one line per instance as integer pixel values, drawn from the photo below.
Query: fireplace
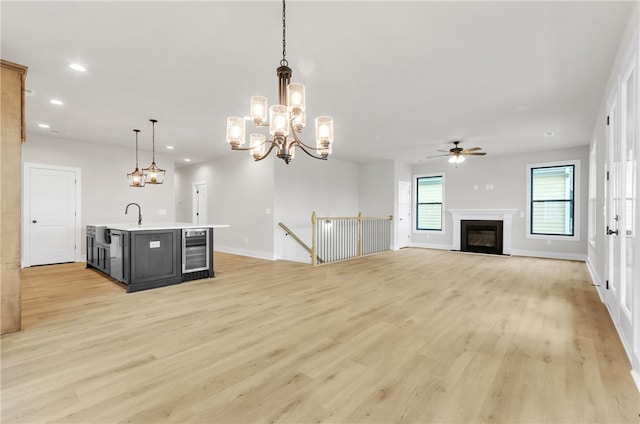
(504, 215)
(481, 236)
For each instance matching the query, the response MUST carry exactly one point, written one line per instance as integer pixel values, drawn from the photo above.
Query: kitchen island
(153, 255)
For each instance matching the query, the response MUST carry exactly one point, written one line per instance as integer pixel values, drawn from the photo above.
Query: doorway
(404, 214)
(51, 215)
(199, 203)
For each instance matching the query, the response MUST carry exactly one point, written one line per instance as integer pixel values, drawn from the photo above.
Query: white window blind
(429, 203)
(552, 200)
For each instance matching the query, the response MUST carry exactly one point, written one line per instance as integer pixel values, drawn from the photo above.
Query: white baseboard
(432, 246)
(595, 278)
(532, 253)
(244, 252)
(636, 378)
(600, 286)
(550, 255)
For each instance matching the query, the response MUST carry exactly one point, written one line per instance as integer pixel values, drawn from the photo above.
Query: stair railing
(336, 239)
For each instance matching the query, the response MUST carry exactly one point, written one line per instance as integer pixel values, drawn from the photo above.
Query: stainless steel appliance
(195, 250)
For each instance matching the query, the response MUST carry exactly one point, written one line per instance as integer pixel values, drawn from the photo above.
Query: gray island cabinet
(152, 255)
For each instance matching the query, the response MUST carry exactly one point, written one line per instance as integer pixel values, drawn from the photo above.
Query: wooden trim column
(13, 130)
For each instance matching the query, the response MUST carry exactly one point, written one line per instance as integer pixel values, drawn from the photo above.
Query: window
(552, 205)
(429, 202)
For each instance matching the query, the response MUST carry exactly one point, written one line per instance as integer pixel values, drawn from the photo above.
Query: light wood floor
(410, 336)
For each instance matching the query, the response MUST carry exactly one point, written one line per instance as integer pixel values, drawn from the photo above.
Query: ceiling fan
(458, 153)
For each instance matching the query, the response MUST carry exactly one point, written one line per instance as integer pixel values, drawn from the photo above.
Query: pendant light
(284, 120)
(153, 174)
(136, 178)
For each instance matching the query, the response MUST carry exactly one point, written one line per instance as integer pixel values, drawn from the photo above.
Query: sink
(102, 235)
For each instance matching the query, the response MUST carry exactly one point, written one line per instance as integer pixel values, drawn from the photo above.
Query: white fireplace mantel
(504, 215)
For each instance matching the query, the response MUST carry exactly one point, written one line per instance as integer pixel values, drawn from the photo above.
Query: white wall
(597, 255)
(240, 192)
(105, 191)
(377, 188)
(507, 174)
(330, 188)
(253, 197)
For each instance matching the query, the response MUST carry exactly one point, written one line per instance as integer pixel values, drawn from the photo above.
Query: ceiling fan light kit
(284, 120)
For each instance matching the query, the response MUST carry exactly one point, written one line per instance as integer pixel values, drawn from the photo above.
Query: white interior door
(199, 203)
(404, 214)
(622, 192)
(612, 293)
(629, 193)
(51, 214)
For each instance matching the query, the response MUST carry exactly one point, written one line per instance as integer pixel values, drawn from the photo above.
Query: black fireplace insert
(481, 236)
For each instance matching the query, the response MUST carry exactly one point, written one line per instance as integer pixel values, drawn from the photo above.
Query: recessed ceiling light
(549, 134)
(44, 125)
(77, 67)
(169, 147)
(56, 102)
(187, 160)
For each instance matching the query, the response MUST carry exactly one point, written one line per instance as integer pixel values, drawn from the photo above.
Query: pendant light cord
(153, 139)
(284, 61)
(136, 149)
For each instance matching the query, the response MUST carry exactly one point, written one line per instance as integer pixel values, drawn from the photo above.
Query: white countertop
(158, 226)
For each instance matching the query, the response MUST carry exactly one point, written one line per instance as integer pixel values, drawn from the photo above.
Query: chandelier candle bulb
(259, 109)
(257, 143)
(235, 131)
(279, 120)
(324, 130)
(300, 121)
(296, 98)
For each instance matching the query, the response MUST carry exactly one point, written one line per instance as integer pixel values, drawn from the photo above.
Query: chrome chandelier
(285, 119)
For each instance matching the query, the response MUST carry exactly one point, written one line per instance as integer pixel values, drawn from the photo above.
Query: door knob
(610, 232)
(35, 221)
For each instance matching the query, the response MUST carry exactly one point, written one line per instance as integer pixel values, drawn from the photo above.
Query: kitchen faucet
(139, 212)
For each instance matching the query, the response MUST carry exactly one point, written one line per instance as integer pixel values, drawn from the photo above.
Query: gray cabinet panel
(154, 259)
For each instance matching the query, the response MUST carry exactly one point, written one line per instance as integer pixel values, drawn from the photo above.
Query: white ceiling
(401, 79)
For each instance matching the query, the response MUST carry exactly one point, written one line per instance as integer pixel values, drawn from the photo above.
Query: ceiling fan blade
(436, 156)
(472, 149)
(474, 153)
(446, 151)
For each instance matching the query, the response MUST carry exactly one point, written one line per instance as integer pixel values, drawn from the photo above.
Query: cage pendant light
(136, 178)
(153, 174)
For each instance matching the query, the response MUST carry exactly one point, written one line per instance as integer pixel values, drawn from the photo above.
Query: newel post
(359, 234)
(314, 257)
